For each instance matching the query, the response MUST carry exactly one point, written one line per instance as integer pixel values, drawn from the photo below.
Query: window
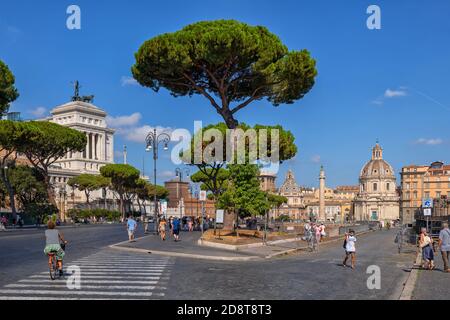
(375, 187)
(438, 194)
(427, 194)
(407, 196)
(415, 195)
(387, 186)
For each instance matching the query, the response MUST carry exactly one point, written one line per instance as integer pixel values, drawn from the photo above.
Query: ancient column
(322, 195)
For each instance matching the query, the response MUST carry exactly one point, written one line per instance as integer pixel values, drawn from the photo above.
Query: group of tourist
(426, 245)
(314, 232)
(174, 228)
(18, 221)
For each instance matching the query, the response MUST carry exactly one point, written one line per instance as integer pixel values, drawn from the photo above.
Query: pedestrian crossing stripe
(104, 275)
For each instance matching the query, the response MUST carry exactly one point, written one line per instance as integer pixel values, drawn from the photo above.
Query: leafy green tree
(230, 63)
(212, 175)
(30, 190)
(28, 185)
(12, 137)
(161, 192)
(214, 180)
(8, 92)
(137, 190)
(275, 200)
(123, 177)
(244, 195)
(88, 183)
(46, 142)
(42, 211)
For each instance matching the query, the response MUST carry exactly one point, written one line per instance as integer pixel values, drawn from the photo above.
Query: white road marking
(105, 276)
(98, 272)
(60, 285)
(81, 292)
(93, 281)
(63, 298)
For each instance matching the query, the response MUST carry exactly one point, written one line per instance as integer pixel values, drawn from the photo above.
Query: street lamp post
(152, 143)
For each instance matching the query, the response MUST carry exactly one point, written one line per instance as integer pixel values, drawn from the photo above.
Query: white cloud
(377, 101)
(124, 121)
(316, 158)
(128, 81)
(429, 142)
(138, 134)
(394, 93)
(38, 112)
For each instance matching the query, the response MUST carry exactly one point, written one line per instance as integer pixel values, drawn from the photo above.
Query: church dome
(377, 167)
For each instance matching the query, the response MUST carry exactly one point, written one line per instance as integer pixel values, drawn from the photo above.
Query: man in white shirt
(350, 248)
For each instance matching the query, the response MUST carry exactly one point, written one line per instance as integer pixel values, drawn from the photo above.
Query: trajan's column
(322, 194)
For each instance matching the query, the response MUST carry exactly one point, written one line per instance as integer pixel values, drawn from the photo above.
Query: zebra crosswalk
(104, 275)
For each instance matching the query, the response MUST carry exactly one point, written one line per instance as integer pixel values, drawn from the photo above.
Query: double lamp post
(153, 140)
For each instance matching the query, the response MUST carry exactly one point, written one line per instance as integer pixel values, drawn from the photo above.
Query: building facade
(377, 199)
(91, 120)
(267, 182)
(297, 196)
(420, 182)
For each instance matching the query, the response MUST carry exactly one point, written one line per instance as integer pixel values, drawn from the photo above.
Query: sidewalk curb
(185, 255)
(231, 247)
(410, 283)
(117, 246)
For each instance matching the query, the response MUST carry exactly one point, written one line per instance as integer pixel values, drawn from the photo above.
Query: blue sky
(390, 84)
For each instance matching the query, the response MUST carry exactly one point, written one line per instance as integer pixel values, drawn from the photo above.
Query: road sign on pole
(202, 196)
(427, 203)
(219, 216)
(427, 212)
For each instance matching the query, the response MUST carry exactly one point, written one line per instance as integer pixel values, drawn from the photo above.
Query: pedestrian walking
(426, 244)
(322, 231)
(162, 229)
(318, 233)
(350, 248)
(171, 226)
(3, 223)
(190, 225)
(131, 228)
(145, 219)
(176, 229)
(444, 245)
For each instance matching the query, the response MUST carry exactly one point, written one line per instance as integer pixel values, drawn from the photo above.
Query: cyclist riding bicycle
(54, 243)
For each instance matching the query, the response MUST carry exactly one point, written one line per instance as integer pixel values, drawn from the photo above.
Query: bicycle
(55, 272)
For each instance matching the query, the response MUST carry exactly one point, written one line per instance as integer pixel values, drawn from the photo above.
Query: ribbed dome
(377, 167)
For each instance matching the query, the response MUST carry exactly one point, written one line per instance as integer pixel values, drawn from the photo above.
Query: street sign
(427, 203)
(427, 212)
(202, 196)
(219, 216)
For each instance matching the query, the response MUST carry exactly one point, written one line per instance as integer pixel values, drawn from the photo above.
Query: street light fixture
(152, 142)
